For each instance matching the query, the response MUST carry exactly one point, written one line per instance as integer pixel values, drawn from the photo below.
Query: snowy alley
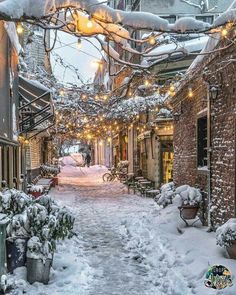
(125, 244)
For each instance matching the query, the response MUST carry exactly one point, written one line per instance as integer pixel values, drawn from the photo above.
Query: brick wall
(223, 110)
(185, 136)
(223, 138)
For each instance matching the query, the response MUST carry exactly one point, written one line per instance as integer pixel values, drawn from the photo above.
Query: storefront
(36, 113)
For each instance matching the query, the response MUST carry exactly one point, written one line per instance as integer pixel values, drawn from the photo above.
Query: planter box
(232, 250)
(16, 253)
(38, 270)
(36, 194)
(188, 211)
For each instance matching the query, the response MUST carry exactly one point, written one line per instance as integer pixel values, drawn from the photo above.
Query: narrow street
(115, 237)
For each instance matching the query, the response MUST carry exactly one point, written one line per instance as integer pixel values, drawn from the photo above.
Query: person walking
(88, 160)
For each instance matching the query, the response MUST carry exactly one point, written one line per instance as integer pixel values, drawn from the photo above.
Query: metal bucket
(3, 256)
(38, 270)
(16, 253)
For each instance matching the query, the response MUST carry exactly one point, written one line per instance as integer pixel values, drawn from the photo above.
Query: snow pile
(226, 233)
(189, 24)
(227, 16)
(189, 195)
(166, 194)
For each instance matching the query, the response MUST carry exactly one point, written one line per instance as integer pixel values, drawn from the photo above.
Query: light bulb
(89, 24)
(190, 92)
(172, 88)
(19, 28)
(224, 32)
(152, 40)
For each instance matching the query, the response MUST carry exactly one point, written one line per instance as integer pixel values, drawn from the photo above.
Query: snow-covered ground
(125, 244)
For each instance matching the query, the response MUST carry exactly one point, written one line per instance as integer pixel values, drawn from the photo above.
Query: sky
(82, 59)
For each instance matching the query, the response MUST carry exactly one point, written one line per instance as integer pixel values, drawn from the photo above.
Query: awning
(36, 106)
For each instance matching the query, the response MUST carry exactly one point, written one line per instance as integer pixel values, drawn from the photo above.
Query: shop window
(202, 141)
(206, 18)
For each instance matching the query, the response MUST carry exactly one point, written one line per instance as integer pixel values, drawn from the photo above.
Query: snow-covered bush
(13, 201)
(49, 170)
(43, 221)
(18, 227)
(226, 233)
(189, 195)
(166, 194)
(36, 188)
(36, 249)
(48, 223)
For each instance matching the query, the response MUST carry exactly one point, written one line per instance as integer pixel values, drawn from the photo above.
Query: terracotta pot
(189, 212)
(232, 250)
(36, 194)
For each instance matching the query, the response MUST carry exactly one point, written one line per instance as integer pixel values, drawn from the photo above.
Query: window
(202, 141)
(171, 18)
(206, 18)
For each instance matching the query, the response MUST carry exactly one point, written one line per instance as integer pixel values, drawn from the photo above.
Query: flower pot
(188, 211)
(54, 181)
(36, 194)
(16, 253)
(38, 270)
(232, 250)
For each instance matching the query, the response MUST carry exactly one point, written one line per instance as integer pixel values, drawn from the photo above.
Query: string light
(190, 92)
(19, 28)
(172, 88)
(61, 92)
(152, 40)
(89, 24)
(224, 33)
(146, 83)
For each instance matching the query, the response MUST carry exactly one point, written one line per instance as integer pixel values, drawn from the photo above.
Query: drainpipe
(209, 151)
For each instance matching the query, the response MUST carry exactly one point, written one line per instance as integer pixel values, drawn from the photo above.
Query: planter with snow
(36, 190)
(191, 199)
(226, 237)
(188, 211)
(16, 253)
(39, 261)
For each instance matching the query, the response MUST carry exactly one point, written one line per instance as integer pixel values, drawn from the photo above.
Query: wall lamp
(178, 113)
(214, 91)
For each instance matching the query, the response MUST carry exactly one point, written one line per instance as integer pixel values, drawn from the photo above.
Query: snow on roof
(228, 15)
(194, 45)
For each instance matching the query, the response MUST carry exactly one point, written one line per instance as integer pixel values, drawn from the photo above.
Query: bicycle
(113, 174)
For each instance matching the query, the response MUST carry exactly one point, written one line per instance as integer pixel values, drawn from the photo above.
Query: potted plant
(39, 261)
(226, 237)
(14, 204)
(36, 190)
(48, 224)
(190, 198)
